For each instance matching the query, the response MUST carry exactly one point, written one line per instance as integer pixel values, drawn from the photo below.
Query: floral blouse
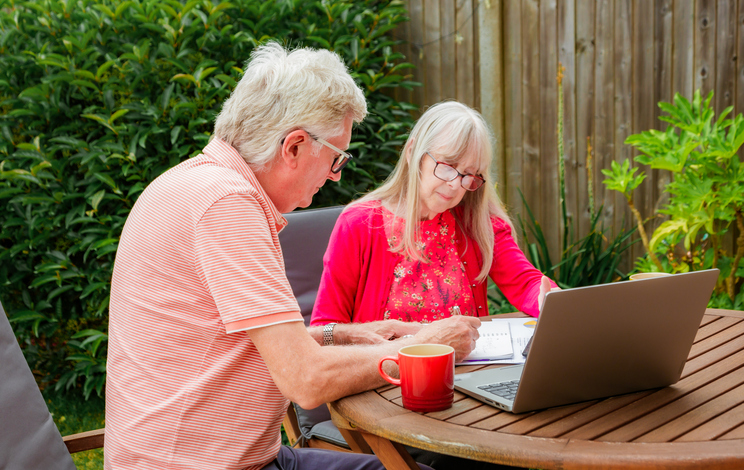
(422, 291)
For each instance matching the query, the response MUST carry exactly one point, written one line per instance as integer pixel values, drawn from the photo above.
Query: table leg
(355, 441)
(392, 455)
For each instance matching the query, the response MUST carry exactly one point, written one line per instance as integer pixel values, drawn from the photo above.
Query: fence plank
(725, 55)
(644, 100)
(663, 41)
(739, 102)
(705, 43)
(603, 142)
(432, 59)
(682, 53)
(449, 61)
(465, 52)
(623, 54)
(585, 13)
(491, 63)
(548, 106)
(416, 12)
(513, 149)
(531, 113)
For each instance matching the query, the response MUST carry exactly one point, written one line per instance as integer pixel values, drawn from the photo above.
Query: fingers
(544, 289)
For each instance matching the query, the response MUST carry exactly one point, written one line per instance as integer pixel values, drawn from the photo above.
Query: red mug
(427, 376)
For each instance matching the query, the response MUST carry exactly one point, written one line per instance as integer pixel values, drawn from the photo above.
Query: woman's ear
(408, 151)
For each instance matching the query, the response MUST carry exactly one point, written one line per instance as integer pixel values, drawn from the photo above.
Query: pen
(475, 360)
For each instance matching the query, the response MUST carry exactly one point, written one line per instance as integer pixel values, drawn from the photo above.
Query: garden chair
(304, 243)
(29, 439)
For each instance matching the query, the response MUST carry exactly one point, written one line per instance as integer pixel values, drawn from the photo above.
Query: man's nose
(334, 176)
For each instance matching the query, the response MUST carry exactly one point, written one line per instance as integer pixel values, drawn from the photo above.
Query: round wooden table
(696, 423)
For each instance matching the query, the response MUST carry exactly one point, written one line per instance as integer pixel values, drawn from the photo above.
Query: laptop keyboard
(503, 389)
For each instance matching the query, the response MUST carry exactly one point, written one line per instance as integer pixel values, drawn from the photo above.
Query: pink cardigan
(358, 269)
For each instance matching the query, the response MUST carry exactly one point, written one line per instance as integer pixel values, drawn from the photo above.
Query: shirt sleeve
(342, 264)
(240, 263)
(512, 272)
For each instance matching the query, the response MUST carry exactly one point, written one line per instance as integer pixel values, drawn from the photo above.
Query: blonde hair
(452, 131)
(283, 91)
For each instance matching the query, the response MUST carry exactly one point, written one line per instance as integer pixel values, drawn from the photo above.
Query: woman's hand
(545, 287)
(459, 331)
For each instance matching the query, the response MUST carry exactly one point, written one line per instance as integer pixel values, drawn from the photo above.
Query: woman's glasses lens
(447, 173)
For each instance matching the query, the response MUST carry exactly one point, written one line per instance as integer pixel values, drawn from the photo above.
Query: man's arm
(366, 333)
(311, 375)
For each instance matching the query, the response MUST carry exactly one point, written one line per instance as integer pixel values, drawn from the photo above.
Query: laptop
(599, 341)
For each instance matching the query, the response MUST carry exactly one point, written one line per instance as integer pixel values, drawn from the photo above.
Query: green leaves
(707, 190)
(622, 178)
(99, 98)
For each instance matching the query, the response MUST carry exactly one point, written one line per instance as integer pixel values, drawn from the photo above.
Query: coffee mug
(636, 276)
(427, 376)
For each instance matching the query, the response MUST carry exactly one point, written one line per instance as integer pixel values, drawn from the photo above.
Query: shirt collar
(227, 155)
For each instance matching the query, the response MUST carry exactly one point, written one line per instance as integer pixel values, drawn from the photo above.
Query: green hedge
(100, 97)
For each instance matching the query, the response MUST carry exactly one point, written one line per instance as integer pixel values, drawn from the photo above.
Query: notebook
(599, 341)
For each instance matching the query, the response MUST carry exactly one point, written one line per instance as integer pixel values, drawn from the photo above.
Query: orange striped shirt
(199, 262)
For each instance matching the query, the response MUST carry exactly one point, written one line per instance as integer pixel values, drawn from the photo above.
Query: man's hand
(458, 331)
(370, 333)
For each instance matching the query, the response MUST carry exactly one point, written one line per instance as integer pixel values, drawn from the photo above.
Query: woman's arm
(512, 272)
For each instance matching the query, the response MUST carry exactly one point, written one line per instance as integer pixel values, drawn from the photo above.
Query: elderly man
(207, 342)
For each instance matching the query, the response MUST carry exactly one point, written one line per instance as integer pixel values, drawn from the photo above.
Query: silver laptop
(598, 341)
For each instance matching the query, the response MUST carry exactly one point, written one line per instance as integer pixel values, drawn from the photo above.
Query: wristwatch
(328, 334)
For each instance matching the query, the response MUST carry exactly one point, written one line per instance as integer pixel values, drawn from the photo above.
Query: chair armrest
(84, 441)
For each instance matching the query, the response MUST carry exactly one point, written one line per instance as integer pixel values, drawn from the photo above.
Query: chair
(304, 243)
(29, 439)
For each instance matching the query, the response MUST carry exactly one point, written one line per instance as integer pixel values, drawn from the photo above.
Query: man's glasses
(340, 161)
(448, 173)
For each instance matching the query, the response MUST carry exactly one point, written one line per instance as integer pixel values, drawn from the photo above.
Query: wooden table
(696, 423)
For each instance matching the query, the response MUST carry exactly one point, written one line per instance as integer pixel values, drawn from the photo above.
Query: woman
(421, 247)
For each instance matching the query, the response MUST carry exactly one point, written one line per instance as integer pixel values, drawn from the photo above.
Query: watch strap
(328, 334)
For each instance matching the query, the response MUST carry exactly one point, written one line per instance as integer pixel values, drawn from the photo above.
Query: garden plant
(705, 197)
(99, 97)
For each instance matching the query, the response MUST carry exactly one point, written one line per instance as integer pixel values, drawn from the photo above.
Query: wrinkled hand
(545, 287)
(458, 331)
(374, 332)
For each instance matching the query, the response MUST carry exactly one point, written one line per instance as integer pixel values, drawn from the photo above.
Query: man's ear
(290, 149)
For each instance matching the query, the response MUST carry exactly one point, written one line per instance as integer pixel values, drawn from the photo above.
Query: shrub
(99, 97)
(706, 195)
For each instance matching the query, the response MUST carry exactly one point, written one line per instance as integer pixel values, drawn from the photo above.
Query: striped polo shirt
(198, 263)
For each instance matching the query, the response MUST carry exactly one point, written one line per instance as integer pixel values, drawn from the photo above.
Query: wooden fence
(620, 58)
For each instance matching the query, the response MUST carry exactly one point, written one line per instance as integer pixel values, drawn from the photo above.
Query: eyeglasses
(448, 173)
(340, 161)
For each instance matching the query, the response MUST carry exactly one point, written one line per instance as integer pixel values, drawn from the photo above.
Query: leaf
(117, 115)
(96, 199)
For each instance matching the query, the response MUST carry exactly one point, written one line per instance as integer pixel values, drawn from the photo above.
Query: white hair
(453, 132)
(282, 91)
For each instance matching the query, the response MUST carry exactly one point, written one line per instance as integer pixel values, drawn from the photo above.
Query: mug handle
(382, 372)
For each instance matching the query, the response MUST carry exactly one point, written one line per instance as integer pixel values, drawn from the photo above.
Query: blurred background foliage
(99, 97)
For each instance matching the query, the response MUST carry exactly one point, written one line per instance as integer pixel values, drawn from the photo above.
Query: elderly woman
(421, 247)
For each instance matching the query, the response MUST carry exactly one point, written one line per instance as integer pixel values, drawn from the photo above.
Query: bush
(706, 195)
(100, 97)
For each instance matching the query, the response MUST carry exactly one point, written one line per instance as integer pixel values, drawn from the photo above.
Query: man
(206, 341)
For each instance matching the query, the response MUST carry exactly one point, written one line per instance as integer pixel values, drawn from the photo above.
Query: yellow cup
(637, 276)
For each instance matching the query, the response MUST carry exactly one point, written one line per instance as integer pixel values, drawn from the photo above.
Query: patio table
(696, 423)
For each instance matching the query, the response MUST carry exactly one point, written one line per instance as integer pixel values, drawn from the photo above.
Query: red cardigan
(358, 269)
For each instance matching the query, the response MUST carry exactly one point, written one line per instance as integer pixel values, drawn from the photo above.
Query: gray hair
(282, 91)
(452, 131)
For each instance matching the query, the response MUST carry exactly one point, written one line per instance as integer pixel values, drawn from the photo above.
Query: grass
(73, 414)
